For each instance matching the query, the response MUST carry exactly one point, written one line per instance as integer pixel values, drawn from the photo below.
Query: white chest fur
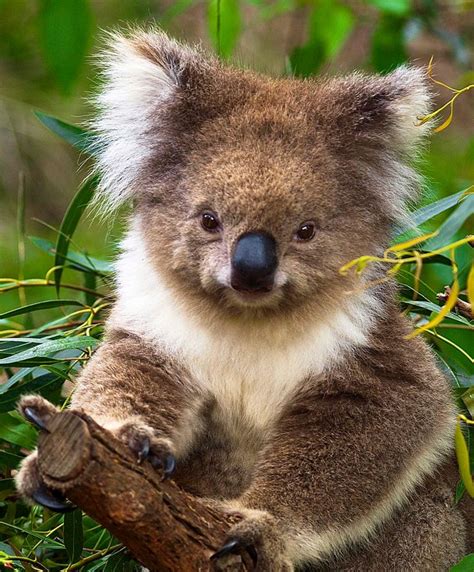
(251, 371)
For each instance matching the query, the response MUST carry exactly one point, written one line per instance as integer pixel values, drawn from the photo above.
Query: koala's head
(251, 192)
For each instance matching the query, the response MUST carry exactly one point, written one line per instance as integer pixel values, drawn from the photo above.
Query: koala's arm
(141, 396)
(129, 388)
(347, 451)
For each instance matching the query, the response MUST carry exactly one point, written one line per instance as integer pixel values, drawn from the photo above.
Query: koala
(237, 358)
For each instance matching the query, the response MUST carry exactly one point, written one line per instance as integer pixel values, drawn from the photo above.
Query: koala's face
(260, 222)
(252, 193)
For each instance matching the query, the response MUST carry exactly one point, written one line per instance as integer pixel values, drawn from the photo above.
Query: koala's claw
(146, 445)
(144, 450)
(232, 546)
(33, 416)
(51, 499)
(168, 465)
(235, 546)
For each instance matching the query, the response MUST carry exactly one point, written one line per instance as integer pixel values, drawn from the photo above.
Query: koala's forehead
(257, 164)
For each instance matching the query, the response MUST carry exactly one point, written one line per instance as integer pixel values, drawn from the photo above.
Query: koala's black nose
(254, 262)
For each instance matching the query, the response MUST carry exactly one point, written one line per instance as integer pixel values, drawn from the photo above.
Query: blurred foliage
(55, 296)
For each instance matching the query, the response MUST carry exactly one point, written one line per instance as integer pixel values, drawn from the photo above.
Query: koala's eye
(306, 231)
(210, 222)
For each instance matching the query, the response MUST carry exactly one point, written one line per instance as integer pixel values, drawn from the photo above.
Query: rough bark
(164, 527)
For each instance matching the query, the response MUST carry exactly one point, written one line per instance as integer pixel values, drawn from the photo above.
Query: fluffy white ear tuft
(412, 101)
(141, 75)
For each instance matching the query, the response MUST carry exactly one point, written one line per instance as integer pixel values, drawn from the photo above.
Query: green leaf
(452, 224)
(268, 10)
(431, 307)
(330, 24)
(50, 347)
(65, 32)
(175, 9)
(9, 460)
(428, 212)
(224, 25)
(47, 304)
(73, 534)
(399, 7)
(70, 221)
(76, 136)
(388, 45)
(119, 562)
(466, 564)
(7, 488)
(11, 346)
(46, 541)
(15, 430)
(44, 385)
(15, 378)
(78, 260)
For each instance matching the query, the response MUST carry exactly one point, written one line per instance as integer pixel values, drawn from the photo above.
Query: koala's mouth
(262, 297)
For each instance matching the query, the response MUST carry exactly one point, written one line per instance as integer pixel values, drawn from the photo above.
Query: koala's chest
(252, 381)
(245, 387)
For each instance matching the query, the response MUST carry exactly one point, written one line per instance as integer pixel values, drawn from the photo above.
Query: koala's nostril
(254, 262)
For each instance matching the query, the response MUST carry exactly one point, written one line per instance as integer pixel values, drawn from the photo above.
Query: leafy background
(55, 260)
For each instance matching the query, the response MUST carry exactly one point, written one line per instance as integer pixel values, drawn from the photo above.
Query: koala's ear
(381, 110)
(373, 123)
(146, 77)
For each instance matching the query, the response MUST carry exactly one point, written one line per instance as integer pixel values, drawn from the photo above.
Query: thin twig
(464, 308)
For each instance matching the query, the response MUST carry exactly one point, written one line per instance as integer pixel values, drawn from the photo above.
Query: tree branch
(464, 308)
(164, 527)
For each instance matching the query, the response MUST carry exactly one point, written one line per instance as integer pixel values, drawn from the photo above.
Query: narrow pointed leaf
(73, 535)
(428, 212)
(47, 304)
(76, 136)
(50, 347)
(462, 455)
(224, 25)
(447, 122)
(69, 224)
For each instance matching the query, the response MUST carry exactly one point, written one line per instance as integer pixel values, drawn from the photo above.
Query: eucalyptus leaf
(453, 223)
(388, 45)
(50, 347)
(76, 136)
(466, 564)
(43, 385)
(73, 535)
(15, 430)
(47, 304)
(15, 378)
(77, 260)
(120, 562)
(428, 212)
(9, 460)
(399, 7)
(224, 23)
(431, 307)
(69, 224)
(65, 32)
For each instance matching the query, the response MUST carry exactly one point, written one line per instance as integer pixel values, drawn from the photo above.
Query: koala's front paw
(28, 481)
(37, 410)
(144, 442)
(258, 535)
